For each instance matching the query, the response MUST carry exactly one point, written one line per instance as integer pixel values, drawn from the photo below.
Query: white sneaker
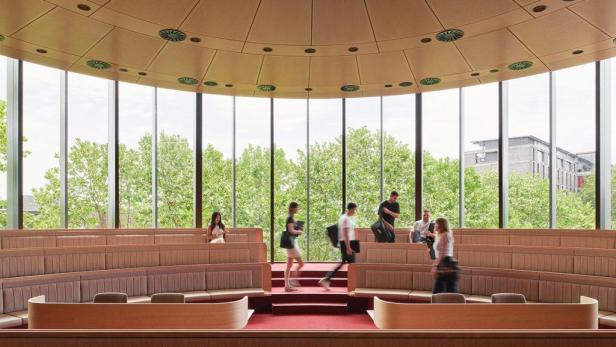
(290, 289)
(324, 282)
(294, 283)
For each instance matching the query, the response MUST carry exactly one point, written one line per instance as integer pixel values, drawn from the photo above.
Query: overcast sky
(528, 115)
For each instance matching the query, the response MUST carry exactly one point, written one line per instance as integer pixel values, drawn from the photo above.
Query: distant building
(531, 156)
(30, 205)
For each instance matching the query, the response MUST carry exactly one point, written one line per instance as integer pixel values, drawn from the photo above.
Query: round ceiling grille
(426, 40)
(520, 65)
(98, 64)
(83, 7)
(349, 88)
(188, 80)
(429, 81)
(210, 83)
(266, 87)
(310, 50)
(405, 84)
(172, 35)
(353, 49)
(449, 35)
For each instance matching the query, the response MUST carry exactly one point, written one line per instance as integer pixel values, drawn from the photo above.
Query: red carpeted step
(310, 308)
(310, 295)
(311, 282)
(310, 274)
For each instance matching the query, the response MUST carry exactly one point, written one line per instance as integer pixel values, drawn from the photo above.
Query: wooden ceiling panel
(401, 18)
(236, 68)
(160, 83)
(71, 5)
(228, 19)
(500, 21)
(525, 2)
(58, 60)
(169, 13)
(333, 71)
(340, 22)
(551, 6)
(178, 59)
(126, 48)
(492, 49)
(455, 13)
(282, 22)
(436, 61)
(321, 51)
(504, 73)
(54, 29)
(285, 71)
(557, 32)
(17, 14)
(450, 84)
(385, 68)
(599, 12)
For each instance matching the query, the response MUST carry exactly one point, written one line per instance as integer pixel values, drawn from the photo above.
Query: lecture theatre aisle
(311, 307)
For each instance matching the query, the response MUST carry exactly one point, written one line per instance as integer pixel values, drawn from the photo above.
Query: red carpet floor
(310, 322)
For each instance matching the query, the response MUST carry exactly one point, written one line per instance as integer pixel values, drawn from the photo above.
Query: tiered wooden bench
(140, 264)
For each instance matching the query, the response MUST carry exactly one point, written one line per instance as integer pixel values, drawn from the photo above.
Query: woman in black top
(291, 228)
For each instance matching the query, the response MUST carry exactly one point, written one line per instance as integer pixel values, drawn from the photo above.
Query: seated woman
(216, 230)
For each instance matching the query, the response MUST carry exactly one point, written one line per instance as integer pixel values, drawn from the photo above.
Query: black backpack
(332, 233)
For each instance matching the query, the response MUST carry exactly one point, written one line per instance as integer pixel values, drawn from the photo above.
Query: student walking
(346, 237)
(445, 268)
(287, 241)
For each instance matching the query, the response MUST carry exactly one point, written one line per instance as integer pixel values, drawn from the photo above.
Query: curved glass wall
(308, 154)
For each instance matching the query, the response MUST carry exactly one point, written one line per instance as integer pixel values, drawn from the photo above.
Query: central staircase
(310, 298)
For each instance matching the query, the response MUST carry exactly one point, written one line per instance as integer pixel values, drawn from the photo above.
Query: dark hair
(394, 193)
(443, 225)
(351, 205)
(213, 221)
(293, 205)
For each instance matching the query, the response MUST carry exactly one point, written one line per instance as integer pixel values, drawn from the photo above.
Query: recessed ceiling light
(353, 49)
(308, 89)
(83, 7)
(266, 87)
(539, 8)
(172, 35)
(449, 35)
(42, 51)
(349, 88)
(520, 65)
(228, 85)
(430, 81)
(475, 74)
(310, 50)
(210, 83)
(195, 39)
(494, 70)
(98, 64)
(426, 40)
(577, 51)
(405, 84)
(123, 70)
(267, 49)
(188, 80)
(141, 73)
(388, 86)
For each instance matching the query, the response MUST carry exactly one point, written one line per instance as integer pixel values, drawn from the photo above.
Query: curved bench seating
(572, 238)
(17, 239)
(198, 282)
(393, 315)
(224, 315)
(414, 282)
(39, 261)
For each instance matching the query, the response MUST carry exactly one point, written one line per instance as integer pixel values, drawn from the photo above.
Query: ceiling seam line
(408, 63)
(188, 14)
(376, 42)
(358, 72)
(254, 17)
(207, 69)
(260, 69)
(434, 14)
(155, 56)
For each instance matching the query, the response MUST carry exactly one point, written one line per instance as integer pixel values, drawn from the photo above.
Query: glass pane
(217, 157)
(88, 102)
(290, 169)
(364, 157)
(441, 154)
(575, 139)
(529, 152)
(41, 190)
(399, 153)
(136, 105)
(325, 174)
(481, 156)
(176, 112)
(3, 144)
(253, 164)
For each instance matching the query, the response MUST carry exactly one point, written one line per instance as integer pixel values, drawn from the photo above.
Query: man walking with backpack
(346, 241)
(388, 211)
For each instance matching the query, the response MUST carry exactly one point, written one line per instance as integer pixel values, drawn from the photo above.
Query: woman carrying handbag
(287, 241)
